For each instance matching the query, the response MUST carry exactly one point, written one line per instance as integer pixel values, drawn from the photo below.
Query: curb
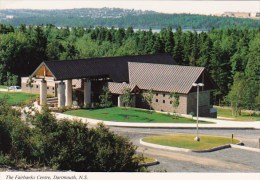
(188, 150)
(179, 127)
(237, 146)
(150, 163)
(164, 147)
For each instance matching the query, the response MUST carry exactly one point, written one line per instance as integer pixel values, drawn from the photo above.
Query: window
(163, 101)
(47, 87)
(163, 95)
(37, 86)
(156, 100)
(170, 102)
(156, 94)
(53, 88)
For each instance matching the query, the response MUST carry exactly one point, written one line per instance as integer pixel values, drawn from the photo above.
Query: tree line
(143, 20)
(224, 52)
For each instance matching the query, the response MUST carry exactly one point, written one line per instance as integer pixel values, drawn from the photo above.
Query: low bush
(6, 160)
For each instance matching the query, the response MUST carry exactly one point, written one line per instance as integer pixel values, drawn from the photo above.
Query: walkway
(218, 123)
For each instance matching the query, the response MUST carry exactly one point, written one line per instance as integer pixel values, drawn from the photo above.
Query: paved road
(227, 160)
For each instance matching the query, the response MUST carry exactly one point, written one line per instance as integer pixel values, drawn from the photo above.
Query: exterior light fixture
(197, 138)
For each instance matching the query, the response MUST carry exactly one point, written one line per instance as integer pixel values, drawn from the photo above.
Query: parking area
(226, 160)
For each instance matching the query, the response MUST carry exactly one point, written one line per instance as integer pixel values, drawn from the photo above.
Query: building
(138, 73)
(251, 15)
(237, 14)
(164, 79)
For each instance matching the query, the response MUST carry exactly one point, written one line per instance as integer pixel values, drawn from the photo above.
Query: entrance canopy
(117, 88)
(115, 68)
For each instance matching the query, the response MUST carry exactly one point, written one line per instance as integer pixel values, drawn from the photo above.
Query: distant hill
(120, 18)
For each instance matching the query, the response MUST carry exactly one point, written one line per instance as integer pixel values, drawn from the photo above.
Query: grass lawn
(245, 116)
(17, 98)
(129, 115)
(3, 87)
(144, 159)
(187, 141)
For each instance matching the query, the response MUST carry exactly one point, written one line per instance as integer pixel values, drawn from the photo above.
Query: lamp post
(197, 138)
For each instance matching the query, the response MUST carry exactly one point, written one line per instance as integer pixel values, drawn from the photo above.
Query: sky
(165, 6)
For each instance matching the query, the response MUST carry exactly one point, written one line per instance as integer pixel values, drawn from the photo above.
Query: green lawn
(144, 159)
(187, 141)
(245, 116)
(18, 98)
(129, 115)
(3, 87)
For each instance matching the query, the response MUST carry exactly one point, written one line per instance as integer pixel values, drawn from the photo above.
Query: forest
(121, 18)
(230, 55)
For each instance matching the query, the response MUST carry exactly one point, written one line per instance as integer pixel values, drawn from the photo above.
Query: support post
(43, 92)
(134, 101)
(198, 139)
(61, 94)
(119, 103)
(68, 93)
(87, 93)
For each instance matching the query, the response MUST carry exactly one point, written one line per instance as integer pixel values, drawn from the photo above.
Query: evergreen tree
(105, 97)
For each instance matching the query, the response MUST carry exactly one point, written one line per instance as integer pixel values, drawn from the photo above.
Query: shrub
(14, 134)
(105, 97)
(68, 145)
(6, 160)
(113, 152)
(62, 144)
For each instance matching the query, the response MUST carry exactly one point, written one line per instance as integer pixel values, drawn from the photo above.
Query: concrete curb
(187, 150)
(185, 127)
(213, 149)
(150, 163)
(164, 147)
(245, 148)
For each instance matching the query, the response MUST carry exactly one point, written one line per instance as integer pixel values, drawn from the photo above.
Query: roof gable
(117, 88)
(166, 78)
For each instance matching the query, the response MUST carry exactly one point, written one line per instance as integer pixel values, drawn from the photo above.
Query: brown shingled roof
(114, 67)
(117, 88)
(165, 78)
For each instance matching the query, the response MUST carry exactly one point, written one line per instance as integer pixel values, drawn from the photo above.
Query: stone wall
(188, 103)
(162, 102)
(51, 87)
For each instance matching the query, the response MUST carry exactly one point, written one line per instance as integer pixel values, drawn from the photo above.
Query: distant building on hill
(253, 15)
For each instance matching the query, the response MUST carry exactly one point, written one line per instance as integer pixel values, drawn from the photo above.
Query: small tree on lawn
(105, 97)
(148, 97)
(175, 98)
(12, 79)
(29, 82)
(235, 96)
(126, 97)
